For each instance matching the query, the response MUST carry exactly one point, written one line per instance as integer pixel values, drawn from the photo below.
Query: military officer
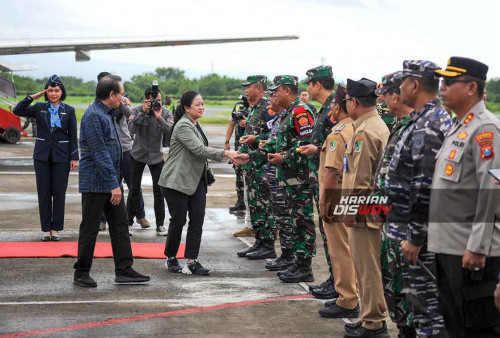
(390, 256)
(293, 173)
(362, 155)
(408, 182)
(320, 85)
(464, 210)
(330, 181)
(258, 193)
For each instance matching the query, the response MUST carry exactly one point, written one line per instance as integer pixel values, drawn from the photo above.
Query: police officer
(390, 256)
(465, 205)
(258, 193)
(320, 85)
(362, 155)
(293, 173)
(330, 181)
(408, 183)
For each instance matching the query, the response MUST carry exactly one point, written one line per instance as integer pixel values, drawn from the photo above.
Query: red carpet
(70, 249)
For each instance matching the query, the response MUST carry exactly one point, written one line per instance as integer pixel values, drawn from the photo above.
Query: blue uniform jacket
(61, 143)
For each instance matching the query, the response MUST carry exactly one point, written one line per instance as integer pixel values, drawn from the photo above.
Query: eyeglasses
(449, 81)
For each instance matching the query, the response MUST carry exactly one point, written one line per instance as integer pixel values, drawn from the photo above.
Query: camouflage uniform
(408, 182)
(258, 192)
(294, 130)
(384, 113)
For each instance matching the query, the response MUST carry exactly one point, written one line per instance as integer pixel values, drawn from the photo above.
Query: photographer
(239, 113)
(150, 123)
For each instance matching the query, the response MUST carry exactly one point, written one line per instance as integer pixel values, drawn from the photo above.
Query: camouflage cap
(284, 80)
(361, 88)
(418, 68)
(388, 81)
(254, 79)
(318, 73)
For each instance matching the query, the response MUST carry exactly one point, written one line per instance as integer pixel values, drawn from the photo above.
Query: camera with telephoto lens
(155, 104)
(240, 109)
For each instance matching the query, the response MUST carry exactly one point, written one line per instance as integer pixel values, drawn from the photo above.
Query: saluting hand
(116, 196)
(38, 95)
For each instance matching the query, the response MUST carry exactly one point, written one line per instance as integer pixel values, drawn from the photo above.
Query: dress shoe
(363, 332)
(335, 311)
(143, 222)
(303, 272)
(84, 280)
(325, 290)
(173, 265)
(254, 247)
(129, 275)
(280, 263)
(245, 232)
(266, 250)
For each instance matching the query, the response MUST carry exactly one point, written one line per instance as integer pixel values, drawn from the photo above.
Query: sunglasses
(449, 81)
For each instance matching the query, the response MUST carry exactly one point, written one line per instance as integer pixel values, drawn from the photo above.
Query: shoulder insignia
(340, 127)
(452, 154)
(303, 122)
(483, 137)
(448, 170)
(463, 135)
(333, 145)
(487, 152)
(271, 112)
(358, 143)
(468, 118)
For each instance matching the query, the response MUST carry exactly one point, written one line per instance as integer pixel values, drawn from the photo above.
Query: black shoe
(130, 276)
(291, 270)
(266, 250)
(303, 272)
(335, 311)
(254, 247)
(195, 268)
(352, 326)
(173, 265)
(362, 332)
(239, 206)
(327, 282)
(327, 291)
(280, 263)
(45, 238)
(84, 280)
(331, 302)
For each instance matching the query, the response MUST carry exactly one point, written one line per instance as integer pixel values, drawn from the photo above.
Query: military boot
(283, 262)
(239, 205)
(266, 250)
(254, 247)
(302, 273)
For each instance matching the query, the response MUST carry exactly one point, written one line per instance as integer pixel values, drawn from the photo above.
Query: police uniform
(465, 205)
(362, 155)
(330, 182)
(258, 192)
(323, 124)
(391, 256)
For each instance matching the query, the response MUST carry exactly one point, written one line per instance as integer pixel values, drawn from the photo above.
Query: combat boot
(254, 247)
(303, 272)
(245, 232)
(266, 250)
(239, 205)
(283, 262)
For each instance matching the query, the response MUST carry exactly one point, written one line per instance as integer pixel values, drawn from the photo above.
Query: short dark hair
(327, 82)
(108, 84)
(63, 95)
(147, 92)
(101, 75)
(367, 101)
(429, 85)
(481, 84)
(293, 89)
(393, 90)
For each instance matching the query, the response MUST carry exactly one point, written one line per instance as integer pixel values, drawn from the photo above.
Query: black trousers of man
(51, 184)
(93, 204)
(179, 205)
(468, 304)
(136, 171)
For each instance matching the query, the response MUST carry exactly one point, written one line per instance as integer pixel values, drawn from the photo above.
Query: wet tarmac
(240, 297)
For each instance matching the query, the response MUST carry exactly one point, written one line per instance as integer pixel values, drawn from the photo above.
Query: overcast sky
(358, 38)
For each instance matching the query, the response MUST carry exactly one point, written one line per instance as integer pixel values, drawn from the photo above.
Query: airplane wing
(82, 46)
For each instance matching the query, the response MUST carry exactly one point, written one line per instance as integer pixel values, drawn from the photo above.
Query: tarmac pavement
(240, 297)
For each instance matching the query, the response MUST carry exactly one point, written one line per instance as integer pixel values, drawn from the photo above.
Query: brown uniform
(330, 183)
(363, 153)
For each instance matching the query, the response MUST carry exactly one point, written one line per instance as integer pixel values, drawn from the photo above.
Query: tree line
(173, 82)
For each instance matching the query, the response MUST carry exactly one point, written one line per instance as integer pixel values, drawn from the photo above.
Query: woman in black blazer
(56, 152)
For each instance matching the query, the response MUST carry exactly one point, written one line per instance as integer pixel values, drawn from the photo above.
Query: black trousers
(134, 189)
(51, 185)
(93, 204)
(139, 212)
(179, 205)
(467, 305)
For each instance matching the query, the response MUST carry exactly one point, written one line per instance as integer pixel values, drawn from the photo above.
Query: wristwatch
(227, 142)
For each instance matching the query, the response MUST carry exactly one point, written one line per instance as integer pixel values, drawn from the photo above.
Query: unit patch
(358, 143)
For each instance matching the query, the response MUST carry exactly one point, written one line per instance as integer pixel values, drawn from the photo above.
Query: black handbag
(210, 176)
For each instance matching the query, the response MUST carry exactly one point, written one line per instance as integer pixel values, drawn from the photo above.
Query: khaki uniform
(363, 153)
(330, 183)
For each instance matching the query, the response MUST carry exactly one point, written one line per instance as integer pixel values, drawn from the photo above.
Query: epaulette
(340, 127)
